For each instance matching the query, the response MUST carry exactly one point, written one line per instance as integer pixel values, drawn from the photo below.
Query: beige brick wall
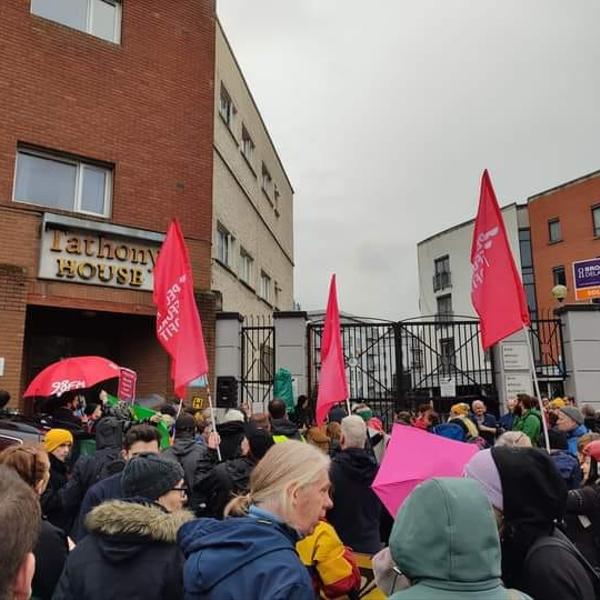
(259, 225)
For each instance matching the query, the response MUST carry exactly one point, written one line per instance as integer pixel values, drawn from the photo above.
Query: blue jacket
(251, 557)
(507, 421)
(574, 438)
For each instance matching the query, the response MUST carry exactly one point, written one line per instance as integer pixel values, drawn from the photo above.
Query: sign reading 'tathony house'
(80, 255)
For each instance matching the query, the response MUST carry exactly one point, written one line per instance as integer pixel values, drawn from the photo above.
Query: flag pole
(348, 406)
(214, 421)
(536, 383)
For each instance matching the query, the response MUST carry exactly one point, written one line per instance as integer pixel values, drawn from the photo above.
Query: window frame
(265, 276)
(246, 258)
(80, 164)
(595, 229)
(89, 20)
(230, 241)
(230, 114)
(555, 271)
(551, 222)
(449, 313)
(265, 173)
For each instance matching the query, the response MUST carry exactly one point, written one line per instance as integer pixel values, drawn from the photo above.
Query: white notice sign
(518, 383)
(448, 388)
(515, 357)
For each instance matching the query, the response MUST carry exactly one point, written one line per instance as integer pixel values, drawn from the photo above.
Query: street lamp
(559, 292)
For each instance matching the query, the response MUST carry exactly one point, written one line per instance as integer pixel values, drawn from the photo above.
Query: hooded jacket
(284, 428)
(356, 509)
(251, 557)
(534, 498)
(131, 553)
(51, 500)
(573, 437)
(530, 423)
(445, 540)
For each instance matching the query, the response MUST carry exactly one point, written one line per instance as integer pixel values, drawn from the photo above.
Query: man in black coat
(281, 426)
(131, 551)
(356, 509)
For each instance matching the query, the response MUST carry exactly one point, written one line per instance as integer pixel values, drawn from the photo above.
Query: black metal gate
(398, 365)
(258, 361)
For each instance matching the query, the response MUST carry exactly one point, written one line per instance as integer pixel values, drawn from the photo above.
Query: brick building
(107, 113)
(565, 227)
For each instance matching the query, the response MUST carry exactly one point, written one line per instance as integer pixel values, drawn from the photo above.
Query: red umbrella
(75, 373)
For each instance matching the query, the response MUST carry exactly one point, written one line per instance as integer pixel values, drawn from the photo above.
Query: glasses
(182, 490)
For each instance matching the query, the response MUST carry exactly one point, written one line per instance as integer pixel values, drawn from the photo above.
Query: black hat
(259, 440)
(89, 408)
(558, 439)
(185, 422)
(149, 476)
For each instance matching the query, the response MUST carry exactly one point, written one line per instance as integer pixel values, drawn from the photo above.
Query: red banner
(127, 385)
(178, 325)
(497, 292)
(333, 387)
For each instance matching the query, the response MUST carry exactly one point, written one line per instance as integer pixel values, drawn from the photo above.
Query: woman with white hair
(252, 553)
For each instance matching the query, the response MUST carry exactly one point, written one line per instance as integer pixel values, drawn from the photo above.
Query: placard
(127, 385)
(448, 388)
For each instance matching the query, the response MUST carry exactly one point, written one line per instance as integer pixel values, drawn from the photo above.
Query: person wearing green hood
(528, 418)
(445, 542)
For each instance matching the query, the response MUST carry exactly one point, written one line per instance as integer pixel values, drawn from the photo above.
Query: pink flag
(178, 326)
(497, 292)
(333, 387)
(414, 456)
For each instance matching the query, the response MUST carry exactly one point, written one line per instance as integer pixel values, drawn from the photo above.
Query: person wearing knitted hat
(58, 444)
(529, 498)
(131, 550)
(571, 421)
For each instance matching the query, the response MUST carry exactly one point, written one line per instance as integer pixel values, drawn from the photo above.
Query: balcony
(442, 281)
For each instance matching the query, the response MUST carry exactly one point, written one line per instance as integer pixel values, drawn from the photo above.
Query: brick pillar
(13, 307)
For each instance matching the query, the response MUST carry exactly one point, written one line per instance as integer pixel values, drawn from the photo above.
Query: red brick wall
(572, 204)
(145, 106)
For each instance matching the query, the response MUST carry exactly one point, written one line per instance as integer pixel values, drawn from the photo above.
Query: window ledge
(266, 302)
(552, 243)
(248, 163)
(40, 208)
(226, 267)
(247, 285)
(267, 196)
(228, 127)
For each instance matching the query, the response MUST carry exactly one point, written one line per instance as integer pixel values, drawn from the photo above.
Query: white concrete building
(253, 245)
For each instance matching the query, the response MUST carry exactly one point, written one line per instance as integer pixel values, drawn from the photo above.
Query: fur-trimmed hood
(130, 520)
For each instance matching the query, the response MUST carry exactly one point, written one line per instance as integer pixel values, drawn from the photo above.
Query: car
(17, 429)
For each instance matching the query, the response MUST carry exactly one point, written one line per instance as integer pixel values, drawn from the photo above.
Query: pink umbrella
(413, 456)
(75, 373)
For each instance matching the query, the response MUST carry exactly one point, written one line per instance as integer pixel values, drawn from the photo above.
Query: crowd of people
(268, 505)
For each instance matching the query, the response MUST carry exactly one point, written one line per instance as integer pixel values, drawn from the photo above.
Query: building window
(265, 286)
(277, 295)
(559, 276)
(447, 356)
(441, 277)
(276, 196)
(62, 183)
(247, 145)
(226, 107)
(527, 270)
(266, 179)
(596, 220)
(246, 266)
(101, 18)
(444, 307)
(224, 245)
(554, 233)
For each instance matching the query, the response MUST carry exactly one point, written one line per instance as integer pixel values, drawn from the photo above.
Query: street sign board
(586, 276)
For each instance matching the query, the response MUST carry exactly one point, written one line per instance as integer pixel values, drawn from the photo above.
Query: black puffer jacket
(52, 504)
(50, 553)
(356, 509)
(131, 553)
(285, 427)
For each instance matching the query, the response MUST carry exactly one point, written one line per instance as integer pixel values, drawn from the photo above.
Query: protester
(253, 555)
(583, 457)
(446, 543)
(233, 476)
(334, 433)
(19, 529)
(571, 421)
(261, 421)
(51, 549)
(591, 418)
(63, 415)
(281, 427)
(92, 413)
(529, 498)
(459, 415)
(514, 439)
(58, 444)
(301, 415)
(139, 439)
(486, 423)
(506, 421)
(317, 436)
(131, 551)
(332, 565)
(196, 460)
(528, 419)
(356, 509)
(422, 419)
(403, 418)
(231, 431)
(336, 414)
(566, 463)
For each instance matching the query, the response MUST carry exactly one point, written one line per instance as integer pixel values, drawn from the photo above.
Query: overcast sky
(385, 113)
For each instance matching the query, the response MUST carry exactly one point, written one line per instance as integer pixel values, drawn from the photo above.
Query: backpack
(452, 431)
(560, 540)
(567, 465)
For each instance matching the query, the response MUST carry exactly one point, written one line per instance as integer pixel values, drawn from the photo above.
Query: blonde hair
(285, 465)
(585, 439)
(516, 439)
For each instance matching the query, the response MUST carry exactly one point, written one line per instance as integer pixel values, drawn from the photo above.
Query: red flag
(333, 387)
(178, 326)
(497, 292)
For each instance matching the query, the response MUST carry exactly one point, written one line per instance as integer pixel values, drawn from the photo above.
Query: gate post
(228, 346)
(512, 370)
(291, 346)
(581, 335)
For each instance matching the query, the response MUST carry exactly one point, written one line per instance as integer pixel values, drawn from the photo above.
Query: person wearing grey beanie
(571, 421)
(131, 550)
